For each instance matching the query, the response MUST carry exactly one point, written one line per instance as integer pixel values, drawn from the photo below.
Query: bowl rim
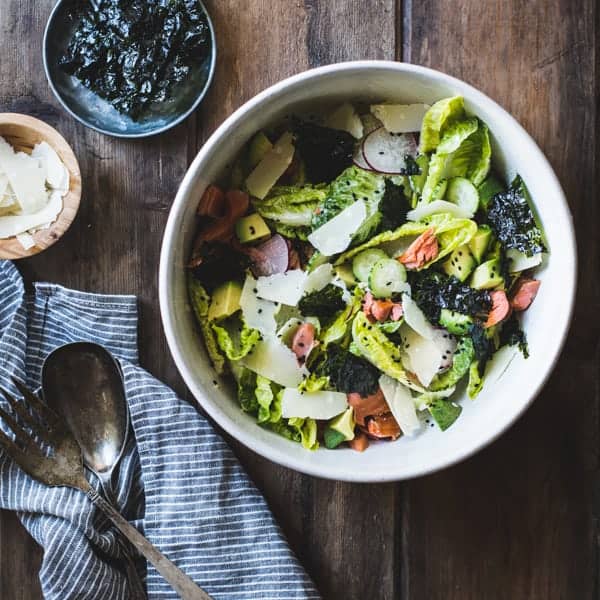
(152, 132)
(245, 436)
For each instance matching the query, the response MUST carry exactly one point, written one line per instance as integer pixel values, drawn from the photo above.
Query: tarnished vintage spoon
(83, 383)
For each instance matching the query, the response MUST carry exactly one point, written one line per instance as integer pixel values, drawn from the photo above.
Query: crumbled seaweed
(433, 291)
(220, 263)
(411, 166)
(482, 345)
(326, 152)
(393, 207)
(133, 52)
(511, 334)
(323, 303)
(349, 373)
(512, 220)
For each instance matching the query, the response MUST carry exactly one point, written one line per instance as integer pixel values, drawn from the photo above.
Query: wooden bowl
(23, 133)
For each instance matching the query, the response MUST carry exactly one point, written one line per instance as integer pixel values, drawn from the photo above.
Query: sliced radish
(447, 344)
(270, 257)
(359, 158)
(386, 152)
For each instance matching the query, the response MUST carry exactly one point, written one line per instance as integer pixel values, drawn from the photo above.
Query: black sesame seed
(381, 152)
(259, 310)
(215, 382)
(252, 230)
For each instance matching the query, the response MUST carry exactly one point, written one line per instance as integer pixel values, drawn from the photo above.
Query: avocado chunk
(344, 272)
(481, 242)
(259, 146)
(460, 263)
(225, 301)
(444, 412)
(455, 322)
(487, 275)
(494, 251)
(252, 229)
(340, 429)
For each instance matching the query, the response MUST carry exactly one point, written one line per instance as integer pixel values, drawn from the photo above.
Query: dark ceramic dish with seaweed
(129, 68)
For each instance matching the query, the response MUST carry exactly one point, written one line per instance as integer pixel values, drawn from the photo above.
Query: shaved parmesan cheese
(318, 278)
(12, 225)
(401, 404)
(55, 170)
(275, 361)
(271, 167)
(27, 179)
(400, 118)
(421, 356)
(285, 288)
(437, 206)
(346, 118)
(26, 240)
(416, 319)
(258, 313)
(335, 236)
(312, 405)
(3, 187)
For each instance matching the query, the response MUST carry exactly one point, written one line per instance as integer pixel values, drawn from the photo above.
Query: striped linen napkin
(178, 482)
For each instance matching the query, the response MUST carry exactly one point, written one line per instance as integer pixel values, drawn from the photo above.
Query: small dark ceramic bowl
(95, 112)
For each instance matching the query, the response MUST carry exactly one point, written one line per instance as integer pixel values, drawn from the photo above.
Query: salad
(351, 270)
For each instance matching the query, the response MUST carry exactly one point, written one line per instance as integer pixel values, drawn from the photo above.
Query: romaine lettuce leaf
(234, 337)
(460, 365)
(471, 157)
(444, 412)
(437, 120)
(372, 344)
(351, 185)
(269, 407)
(475, 380)
(200, 302)
(291, 206)
(307, 428)
(339, 328)
(451, 232)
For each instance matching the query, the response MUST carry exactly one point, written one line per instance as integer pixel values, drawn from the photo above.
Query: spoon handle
(180, 582)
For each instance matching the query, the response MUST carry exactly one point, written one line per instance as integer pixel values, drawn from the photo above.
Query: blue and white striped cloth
(179, 483)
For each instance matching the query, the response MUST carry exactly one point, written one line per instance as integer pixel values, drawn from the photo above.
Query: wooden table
(519, 520)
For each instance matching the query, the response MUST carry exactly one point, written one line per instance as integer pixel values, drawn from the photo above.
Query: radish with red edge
(386, 152)
(359, 159)
(270, 257)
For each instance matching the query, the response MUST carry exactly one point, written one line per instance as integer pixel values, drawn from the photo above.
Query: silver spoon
(83, 383)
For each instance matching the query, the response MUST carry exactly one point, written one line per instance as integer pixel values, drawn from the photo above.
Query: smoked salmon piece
(303, 341)
(360, 442)
(500, 308)
(384, 426)
(367, 406)
(381, 310)
(424, 249)
(524, 294)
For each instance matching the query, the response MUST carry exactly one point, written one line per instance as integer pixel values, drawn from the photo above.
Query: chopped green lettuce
(353, 184)
(475, 380)
(234, 337)
(451, 232)
(456, 135)
(437, 120)
(269, 406)
(339, 329)
(307, 428)
(371, 343)
(246, 390)
(470, 159)
(314, 383)
(460, 365)
(200, 302)
(291, 206)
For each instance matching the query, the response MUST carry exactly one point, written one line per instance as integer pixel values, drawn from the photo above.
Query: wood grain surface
(518, 521)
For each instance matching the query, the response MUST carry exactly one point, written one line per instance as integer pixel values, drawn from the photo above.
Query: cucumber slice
(387, 277)
(463, 193)
(363, 262)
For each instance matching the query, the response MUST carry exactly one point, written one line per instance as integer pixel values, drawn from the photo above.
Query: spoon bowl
(83, 383)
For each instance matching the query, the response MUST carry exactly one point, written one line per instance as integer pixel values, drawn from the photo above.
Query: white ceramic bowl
(508, 390)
